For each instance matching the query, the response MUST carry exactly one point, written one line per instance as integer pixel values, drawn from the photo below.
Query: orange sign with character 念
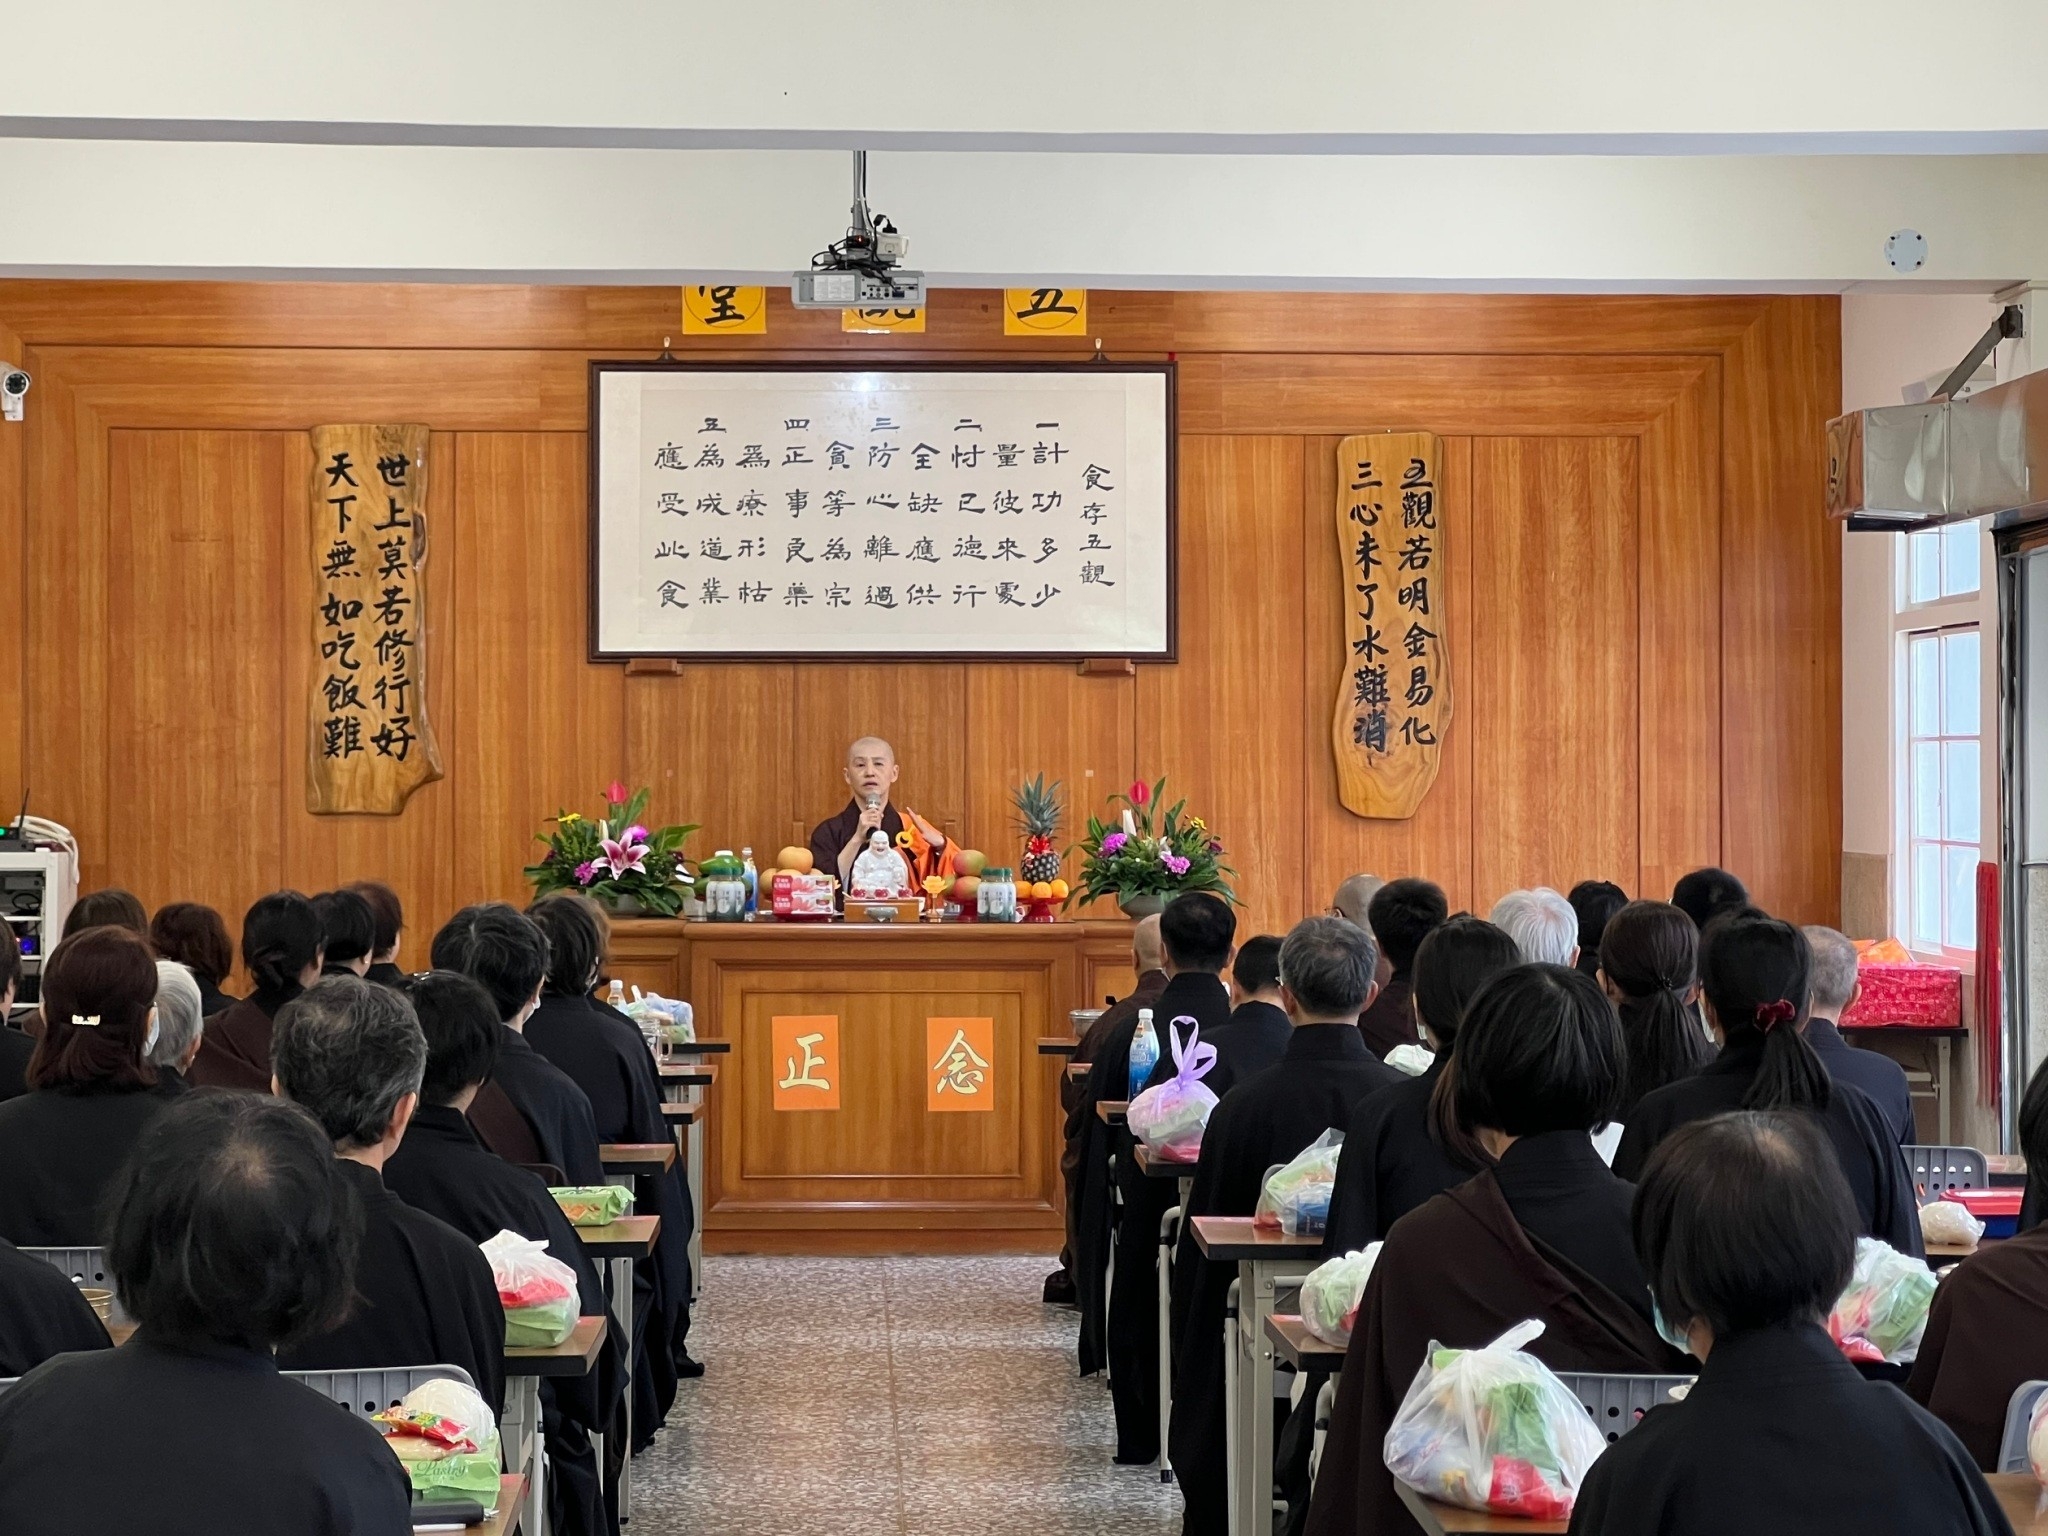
(959, 1057)
(804, 1060)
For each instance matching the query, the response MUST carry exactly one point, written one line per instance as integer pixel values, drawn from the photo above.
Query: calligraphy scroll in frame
(369, 744)
(1394, 697)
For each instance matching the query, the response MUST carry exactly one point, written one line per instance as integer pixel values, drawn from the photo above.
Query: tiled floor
(889, 1397)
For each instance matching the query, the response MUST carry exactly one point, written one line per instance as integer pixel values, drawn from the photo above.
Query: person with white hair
(1542, 924)
(180, 1025)
(1835, 988)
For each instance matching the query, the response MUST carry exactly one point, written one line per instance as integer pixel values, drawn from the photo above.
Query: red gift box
(1918, 996)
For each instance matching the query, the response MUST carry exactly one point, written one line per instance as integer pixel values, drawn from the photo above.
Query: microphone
(874, 802)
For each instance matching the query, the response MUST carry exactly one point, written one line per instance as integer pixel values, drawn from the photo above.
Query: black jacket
(61, 1150)
(1254, 1039)
(1881, 1078)
(552, 1105)
(1390, 1163)
(41, 1314)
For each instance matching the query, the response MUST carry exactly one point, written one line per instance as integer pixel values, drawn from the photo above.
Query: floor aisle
(889, 1397)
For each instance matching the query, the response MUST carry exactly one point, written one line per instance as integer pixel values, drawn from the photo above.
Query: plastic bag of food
(447, 1439)
(1884, 1311)
(1296, 1194)
(537, 1291)
(1412, 1059)
(593, 1205)
(1493, 1429)
(675, 1018)
(1171, 1117)
(2037, 1440)
(1944, 1221)
(1329, 1296)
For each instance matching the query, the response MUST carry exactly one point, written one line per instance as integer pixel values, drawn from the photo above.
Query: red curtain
(1990, 1022)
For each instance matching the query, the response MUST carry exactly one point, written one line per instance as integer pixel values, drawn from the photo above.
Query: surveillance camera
(13, 388)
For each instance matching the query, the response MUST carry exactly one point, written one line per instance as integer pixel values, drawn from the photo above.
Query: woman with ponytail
(1649, 964)
(1755, 973)
(283, 948)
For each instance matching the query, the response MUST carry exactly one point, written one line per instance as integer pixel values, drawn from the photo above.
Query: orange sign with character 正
(804, 1058)
(959, 1061)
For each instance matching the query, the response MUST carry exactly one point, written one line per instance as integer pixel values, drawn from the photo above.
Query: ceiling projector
(864, 270)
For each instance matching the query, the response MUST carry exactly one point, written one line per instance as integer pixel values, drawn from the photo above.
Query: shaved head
(1353, 897)
(1146, 945)
(871, 768)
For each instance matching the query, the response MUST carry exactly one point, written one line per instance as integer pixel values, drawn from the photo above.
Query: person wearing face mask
(90, 1092)
(499, 946)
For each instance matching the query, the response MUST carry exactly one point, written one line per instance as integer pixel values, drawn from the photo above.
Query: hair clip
(1783, 1011)
(86, 1020)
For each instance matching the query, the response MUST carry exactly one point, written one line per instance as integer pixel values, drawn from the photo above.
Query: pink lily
(623, 859)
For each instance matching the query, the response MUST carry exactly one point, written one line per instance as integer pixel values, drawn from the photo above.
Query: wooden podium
(942, 1132)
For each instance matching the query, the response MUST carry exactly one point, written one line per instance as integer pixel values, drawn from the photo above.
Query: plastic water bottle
(1144, 1052)
(617, 995)
(753, 878)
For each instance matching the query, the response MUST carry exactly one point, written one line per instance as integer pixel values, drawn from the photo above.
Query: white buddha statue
(880, 872)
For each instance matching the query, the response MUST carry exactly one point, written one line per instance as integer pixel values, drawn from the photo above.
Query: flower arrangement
(616, 860)
(1141, 861)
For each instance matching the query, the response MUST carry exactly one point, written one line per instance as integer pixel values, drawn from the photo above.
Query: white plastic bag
(1171, 1117)
(1411, 1059)
(1329, 1296)
(2037, 1440)
(1883, 1313)
(1944, 1221)
(537, 1290)
(1295, 1196)
(679, 1019)
(1493, 1429)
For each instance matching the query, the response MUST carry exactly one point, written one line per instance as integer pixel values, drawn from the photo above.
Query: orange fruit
(1057, 890)
(1042, 891)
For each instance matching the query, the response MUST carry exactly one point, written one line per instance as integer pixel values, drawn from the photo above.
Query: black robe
(212, 1000)
(828, 837)
(1264, 1120)
(1864, 1145)
(385, 974)
(424, 1296)
(552, 1104)
(189, 1442)
(1460, 1271)
(170, 1083)
(15, 1050)
(668, 1195)
(1390, 1021)
(1254, 1038)
(1881, 1079)
(41, 1314)
(235, 1050)
(1987, 1332)
(1131, 1332)
(1390, 1163)
(442, 1169)
(1781, 1437)
(60, 1150)
(1073, 1091)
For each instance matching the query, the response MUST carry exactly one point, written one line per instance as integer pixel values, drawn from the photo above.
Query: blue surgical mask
(1670, 1335)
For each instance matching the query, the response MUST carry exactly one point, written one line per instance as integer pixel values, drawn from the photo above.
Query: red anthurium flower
(616, 794)
(1140, 792)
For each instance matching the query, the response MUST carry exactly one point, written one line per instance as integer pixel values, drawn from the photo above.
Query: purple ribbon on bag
(1192, 1062)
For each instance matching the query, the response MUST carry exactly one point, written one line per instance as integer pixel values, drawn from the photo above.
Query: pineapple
(1038, 818)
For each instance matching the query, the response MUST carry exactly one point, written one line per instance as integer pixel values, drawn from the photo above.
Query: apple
(966, 888)
(969, 861)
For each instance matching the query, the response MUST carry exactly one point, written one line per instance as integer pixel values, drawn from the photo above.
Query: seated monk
(871, 771)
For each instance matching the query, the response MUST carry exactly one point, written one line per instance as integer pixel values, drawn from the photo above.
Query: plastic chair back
(85, 1266)
(1938, 1169)
(363, 1393)
(2012, 1450)
(1617, 1404)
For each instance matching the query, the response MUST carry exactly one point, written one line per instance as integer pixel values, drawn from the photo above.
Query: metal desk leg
(1233, 1408)
(523, 1437)
(1116, 1202)
(619, 1285)
(1261, 1283)
(693, 1149)
(1169, 1231)
(1941, 1092)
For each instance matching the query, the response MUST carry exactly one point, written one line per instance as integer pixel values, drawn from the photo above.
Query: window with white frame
(1941, 787)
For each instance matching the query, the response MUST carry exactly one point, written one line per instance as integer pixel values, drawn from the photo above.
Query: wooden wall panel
(1553, 682)
(715, 744)
(1222, 724)
(13, 579)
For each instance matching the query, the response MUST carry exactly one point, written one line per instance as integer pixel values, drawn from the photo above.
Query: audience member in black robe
(1755, 972)
(348, 932)
(442, 1169)
(389, 916)
(1392, 1161)
(1328, 969)
(233, 1234)
(90, 1091)
(108, 908)
(193, 934)
(1401, 915)
(1543, 1233)
(352, 1053)
(1255, 1035)
(1649, 964)
(42, 1313)
(1747, 1233)
(500, 947)
(180, 1026)
(1596, 902)
(603, 1053)
(1835, 990)
(15, 1046)
(1196, 930)
(1148, 960)
(1987, 1331)
(281, 951)
(1706, 894)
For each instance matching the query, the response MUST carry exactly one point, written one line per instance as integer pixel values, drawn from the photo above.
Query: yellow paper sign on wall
(882, 322)
(1045, 311)
(722, 309)
(804, 1060)
(959, 1059)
